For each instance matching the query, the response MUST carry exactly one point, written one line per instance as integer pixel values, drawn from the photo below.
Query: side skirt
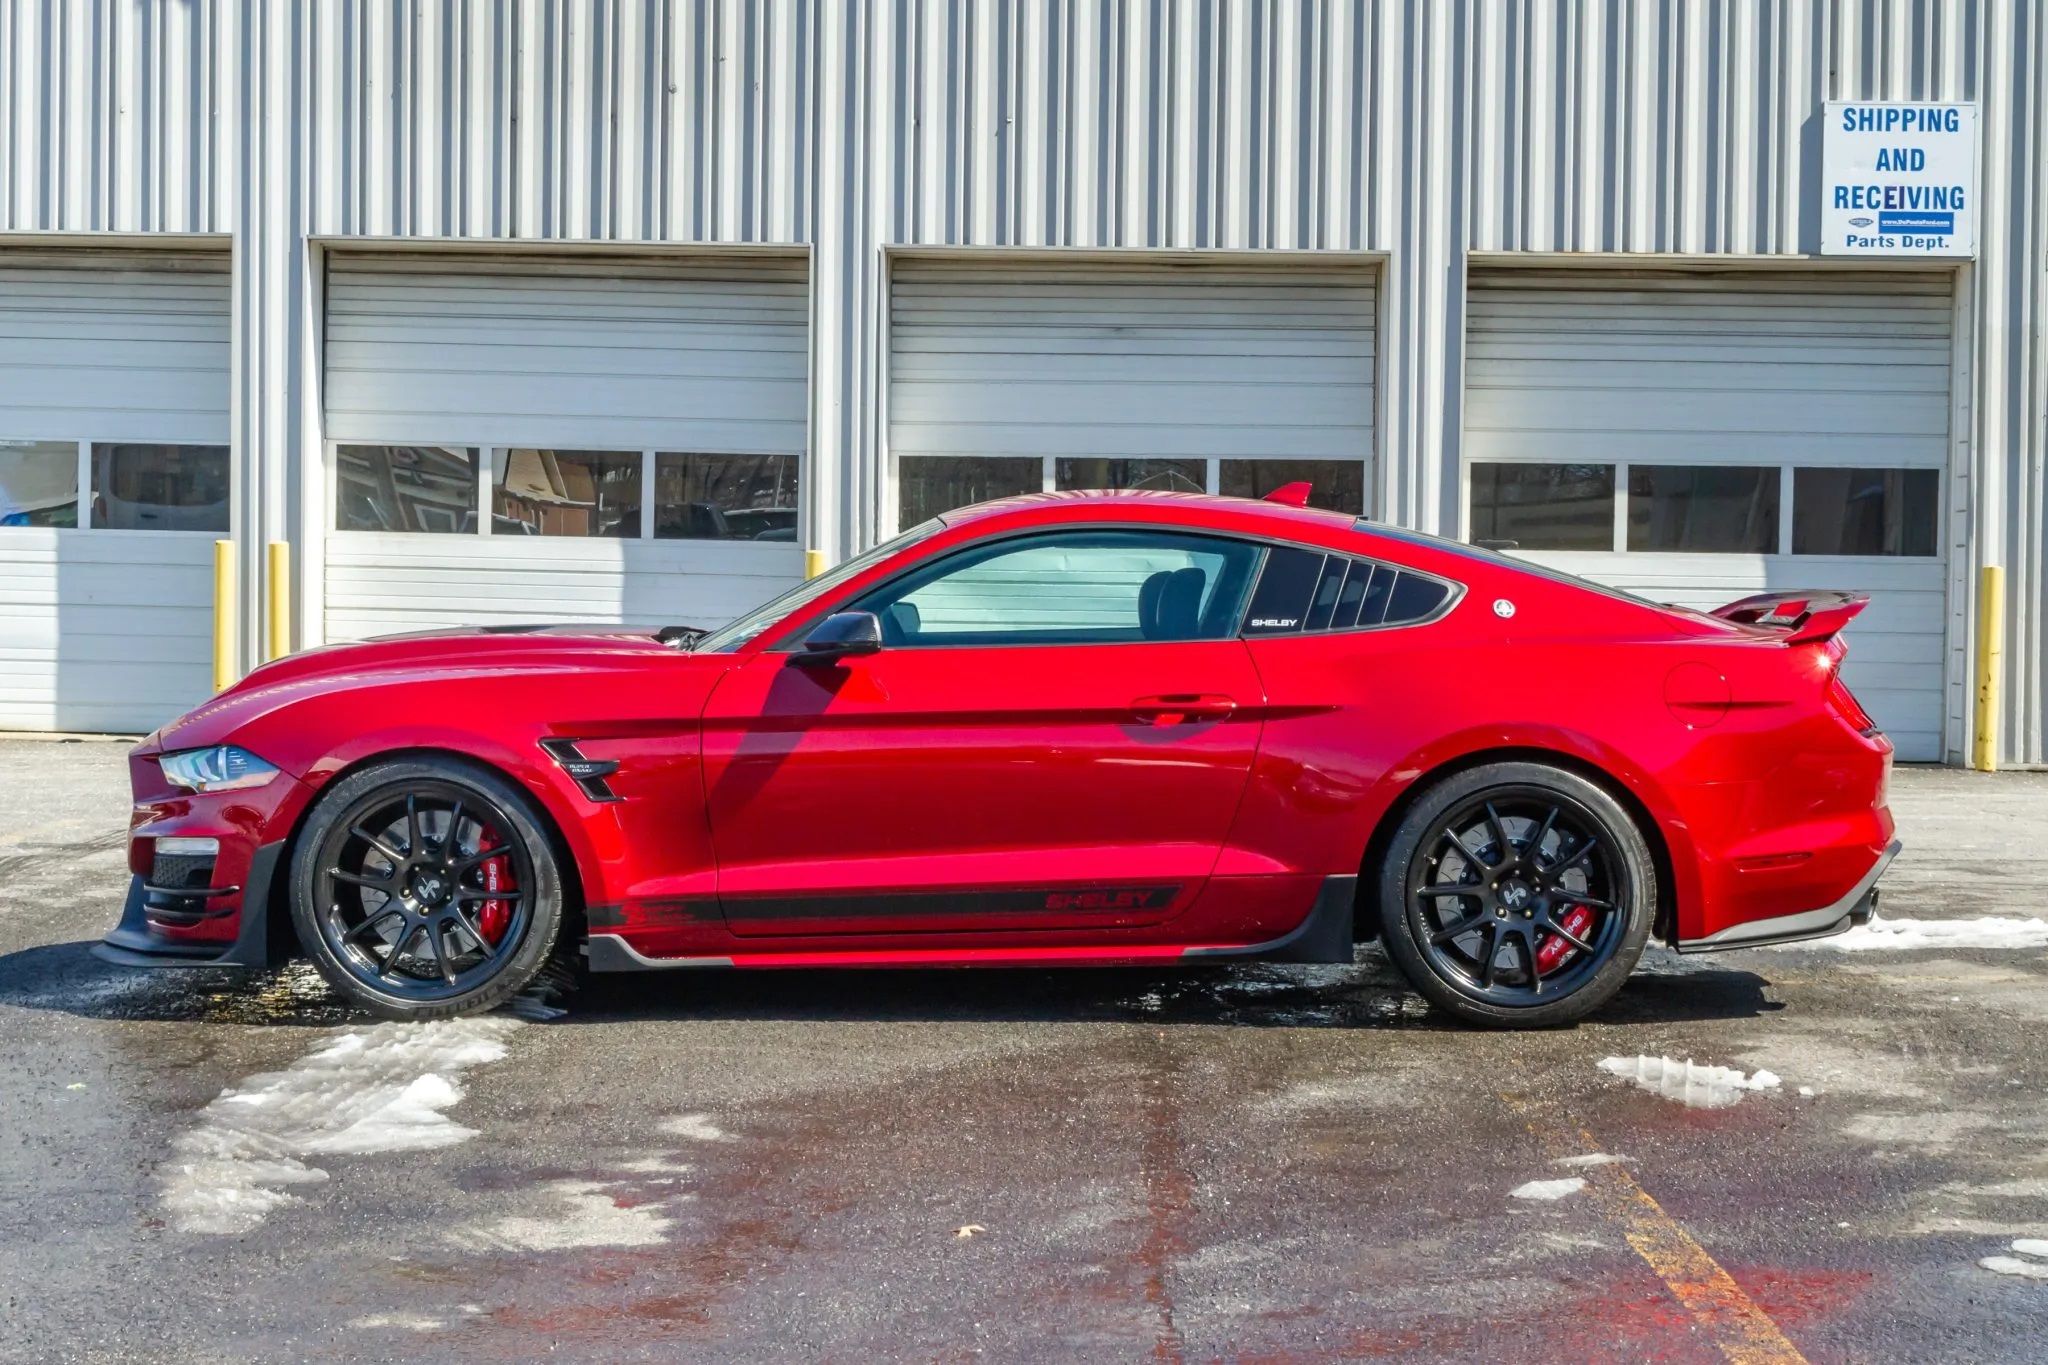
(1324, 935)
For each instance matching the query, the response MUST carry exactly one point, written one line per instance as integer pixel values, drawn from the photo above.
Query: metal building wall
(1693, 127)
(1418, 129)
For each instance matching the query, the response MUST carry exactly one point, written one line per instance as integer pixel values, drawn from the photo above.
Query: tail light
(1844, 704)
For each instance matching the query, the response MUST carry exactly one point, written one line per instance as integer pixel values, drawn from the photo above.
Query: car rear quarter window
(1303, 591)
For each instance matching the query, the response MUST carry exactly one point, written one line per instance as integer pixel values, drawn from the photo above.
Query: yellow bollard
(279, 587)
(223, 615)
(1990, 663)
(814, 563)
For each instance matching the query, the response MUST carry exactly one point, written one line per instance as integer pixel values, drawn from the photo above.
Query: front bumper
(1854, 908)
(134, 942)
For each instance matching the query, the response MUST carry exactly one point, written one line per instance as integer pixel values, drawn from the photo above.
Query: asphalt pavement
(1252, 1163)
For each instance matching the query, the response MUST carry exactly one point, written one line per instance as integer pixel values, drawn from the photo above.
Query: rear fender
(1669, 834)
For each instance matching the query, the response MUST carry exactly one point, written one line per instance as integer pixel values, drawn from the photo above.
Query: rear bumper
(1853, 908)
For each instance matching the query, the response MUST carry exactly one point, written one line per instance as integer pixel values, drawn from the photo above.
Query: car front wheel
(426, 888)
(1517, 895)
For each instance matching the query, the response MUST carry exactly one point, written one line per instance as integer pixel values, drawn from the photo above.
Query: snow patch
(2013, 1265)
(381, 1089)
(1901, 935)
(1547, 1190)
(578, 1214)
(2031, 1246)
(405, 1321)
(1590, 1159)
(696, 1127)
(1693, 1085)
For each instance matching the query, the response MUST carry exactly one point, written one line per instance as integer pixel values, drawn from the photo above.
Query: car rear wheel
(1517, 895)
(426, 888)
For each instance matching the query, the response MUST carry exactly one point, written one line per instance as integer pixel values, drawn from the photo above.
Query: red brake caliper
(497, 875)
(1578, 920)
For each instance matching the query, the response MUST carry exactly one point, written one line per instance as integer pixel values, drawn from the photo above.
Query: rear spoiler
(1805, 617)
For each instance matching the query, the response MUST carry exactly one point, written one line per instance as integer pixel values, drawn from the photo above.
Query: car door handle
(1182, 708)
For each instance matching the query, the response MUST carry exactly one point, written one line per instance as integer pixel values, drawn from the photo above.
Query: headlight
(223, 768)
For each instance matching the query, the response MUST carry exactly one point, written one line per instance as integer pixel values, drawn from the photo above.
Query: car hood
(480, 650)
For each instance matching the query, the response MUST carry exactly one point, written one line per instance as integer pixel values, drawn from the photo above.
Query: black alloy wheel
(1517, 895)
(425, 888)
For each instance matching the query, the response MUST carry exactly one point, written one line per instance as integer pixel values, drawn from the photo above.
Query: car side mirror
(840, 635)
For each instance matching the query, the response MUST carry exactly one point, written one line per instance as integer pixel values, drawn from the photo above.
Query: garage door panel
(1131, 362)
(373, 582)
(626, 353)
(1619, 407)
(1137, 403)
(1748, 370)
(696, 356)
(105, 629)
(1836, 370)
(1679, 447)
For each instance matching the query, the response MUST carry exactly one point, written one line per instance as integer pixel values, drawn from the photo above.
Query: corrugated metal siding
(1413, 127)
(110, 116)
(1233, 125)
(1607, 126)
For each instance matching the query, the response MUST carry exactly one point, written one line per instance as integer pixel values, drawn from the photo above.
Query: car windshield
(732, 636)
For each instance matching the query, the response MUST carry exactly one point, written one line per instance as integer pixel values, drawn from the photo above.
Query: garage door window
(420, 489)
(1087, 587)
(38, 483)
(1706, 509)
(1543, 506)
(1335, 485)
(927, 485)
(1865, 511)
(1703, 509)
(724, 497)
(539, 492)
(932, 485)
(1170, 476)
(573, 494)
(139, 487)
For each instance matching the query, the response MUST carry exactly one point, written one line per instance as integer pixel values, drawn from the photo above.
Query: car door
(1055, 734)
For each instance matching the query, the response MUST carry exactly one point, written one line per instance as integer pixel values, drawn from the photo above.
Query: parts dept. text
(1896, 241)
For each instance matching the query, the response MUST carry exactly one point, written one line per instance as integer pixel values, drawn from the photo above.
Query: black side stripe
(1105, 900)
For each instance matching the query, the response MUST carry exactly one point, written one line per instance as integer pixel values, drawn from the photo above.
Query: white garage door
(1008, 379)
(1696, 438)
(113, 484)
(538, 439)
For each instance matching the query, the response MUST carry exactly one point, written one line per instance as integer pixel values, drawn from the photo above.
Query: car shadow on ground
(65, 977)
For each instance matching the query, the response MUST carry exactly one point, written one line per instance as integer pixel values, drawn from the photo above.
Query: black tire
(398, 917)
(1542, 894)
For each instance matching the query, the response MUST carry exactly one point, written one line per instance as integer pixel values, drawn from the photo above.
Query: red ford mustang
(1074, 728)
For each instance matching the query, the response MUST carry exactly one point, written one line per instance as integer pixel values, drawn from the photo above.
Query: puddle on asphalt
(1366, 994)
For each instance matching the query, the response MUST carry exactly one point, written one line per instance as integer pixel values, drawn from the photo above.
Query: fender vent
(587, 773)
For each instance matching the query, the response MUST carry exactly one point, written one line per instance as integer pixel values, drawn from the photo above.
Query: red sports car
(1121, 728)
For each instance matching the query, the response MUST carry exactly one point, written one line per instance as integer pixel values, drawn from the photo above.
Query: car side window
(1304, 590)
(1070, 587)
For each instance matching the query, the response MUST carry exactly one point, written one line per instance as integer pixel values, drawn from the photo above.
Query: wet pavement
(1259, 1164)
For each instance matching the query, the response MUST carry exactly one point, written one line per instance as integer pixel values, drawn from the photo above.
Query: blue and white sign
(1899, 180)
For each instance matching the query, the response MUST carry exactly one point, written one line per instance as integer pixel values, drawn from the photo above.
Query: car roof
(1202, 509)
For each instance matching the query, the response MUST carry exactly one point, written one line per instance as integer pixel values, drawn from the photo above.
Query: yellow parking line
(1744, 1333)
